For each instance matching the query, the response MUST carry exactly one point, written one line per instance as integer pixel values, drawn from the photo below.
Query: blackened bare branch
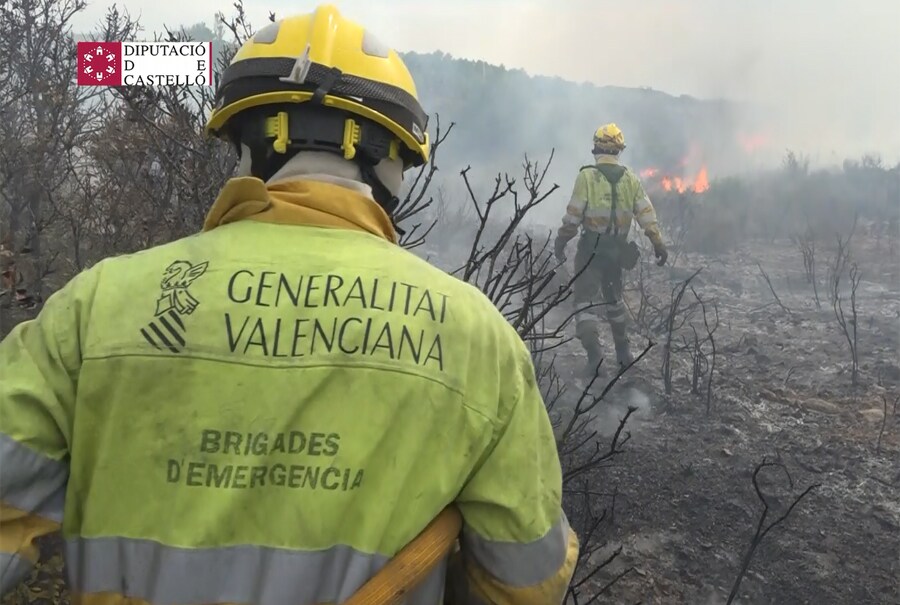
(850, 324)
(761, 528)
(611, 583)
(884, 400)
(615, 448)
(672, 317)
(772, 289)
(806, 243)
(415, 201)
(710, 337)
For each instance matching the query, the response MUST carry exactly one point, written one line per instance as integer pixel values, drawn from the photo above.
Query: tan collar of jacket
(602, 158)
(298, 202)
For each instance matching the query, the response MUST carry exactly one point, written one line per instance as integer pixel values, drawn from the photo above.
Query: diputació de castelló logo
(145, 64)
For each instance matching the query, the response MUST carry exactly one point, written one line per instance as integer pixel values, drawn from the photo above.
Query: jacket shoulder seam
(382, 368)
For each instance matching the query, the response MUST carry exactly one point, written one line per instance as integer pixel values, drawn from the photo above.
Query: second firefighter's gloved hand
(659, 248)
(661, 253)
(559, 250)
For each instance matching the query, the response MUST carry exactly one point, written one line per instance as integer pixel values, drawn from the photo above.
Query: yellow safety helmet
(609, 139)
(318, 61)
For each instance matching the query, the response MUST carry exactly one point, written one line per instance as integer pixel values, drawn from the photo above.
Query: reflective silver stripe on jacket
(30, 481)
(521, 565)
(168, 575)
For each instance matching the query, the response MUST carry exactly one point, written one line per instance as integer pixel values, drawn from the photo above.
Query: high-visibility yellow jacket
(267, 411)
(590, 206)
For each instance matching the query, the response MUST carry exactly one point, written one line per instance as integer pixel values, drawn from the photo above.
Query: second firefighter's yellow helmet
(609, 139)
(324, 59)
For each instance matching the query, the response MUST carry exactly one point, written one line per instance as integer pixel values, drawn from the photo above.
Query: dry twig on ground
(772, 289)
(761, 528)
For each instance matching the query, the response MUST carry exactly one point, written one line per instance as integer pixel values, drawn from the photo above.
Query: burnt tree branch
(806, 243)
(415, 201)
(884, 400)
(840, 262)
(671, 327)
(762, 529)
(709, 358)
(772, 289)
(849, 324)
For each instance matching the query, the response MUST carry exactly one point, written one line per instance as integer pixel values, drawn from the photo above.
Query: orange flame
(697, 184)
(701, 183)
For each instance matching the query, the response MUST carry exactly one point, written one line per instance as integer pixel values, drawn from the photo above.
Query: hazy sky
(828, 69)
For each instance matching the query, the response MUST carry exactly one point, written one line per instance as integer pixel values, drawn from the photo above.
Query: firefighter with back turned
(606, 198)
(266, 412)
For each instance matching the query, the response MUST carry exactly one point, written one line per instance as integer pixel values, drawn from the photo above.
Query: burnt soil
(686, 509)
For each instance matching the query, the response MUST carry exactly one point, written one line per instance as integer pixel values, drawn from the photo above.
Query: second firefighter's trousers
(600, 283)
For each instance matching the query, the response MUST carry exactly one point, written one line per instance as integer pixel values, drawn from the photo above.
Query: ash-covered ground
(686, 509)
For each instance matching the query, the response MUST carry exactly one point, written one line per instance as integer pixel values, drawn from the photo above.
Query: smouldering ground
(686, 508)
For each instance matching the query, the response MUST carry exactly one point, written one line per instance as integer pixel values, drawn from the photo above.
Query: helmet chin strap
(245, 165)
(380, 192)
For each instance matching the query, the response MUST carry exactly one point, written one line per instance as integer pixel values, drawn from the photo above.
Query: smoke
(615, 405)
(818, 77)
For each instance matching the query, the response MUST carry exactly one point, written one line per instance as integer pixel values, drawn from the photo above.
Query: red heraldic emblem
(99, 63)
